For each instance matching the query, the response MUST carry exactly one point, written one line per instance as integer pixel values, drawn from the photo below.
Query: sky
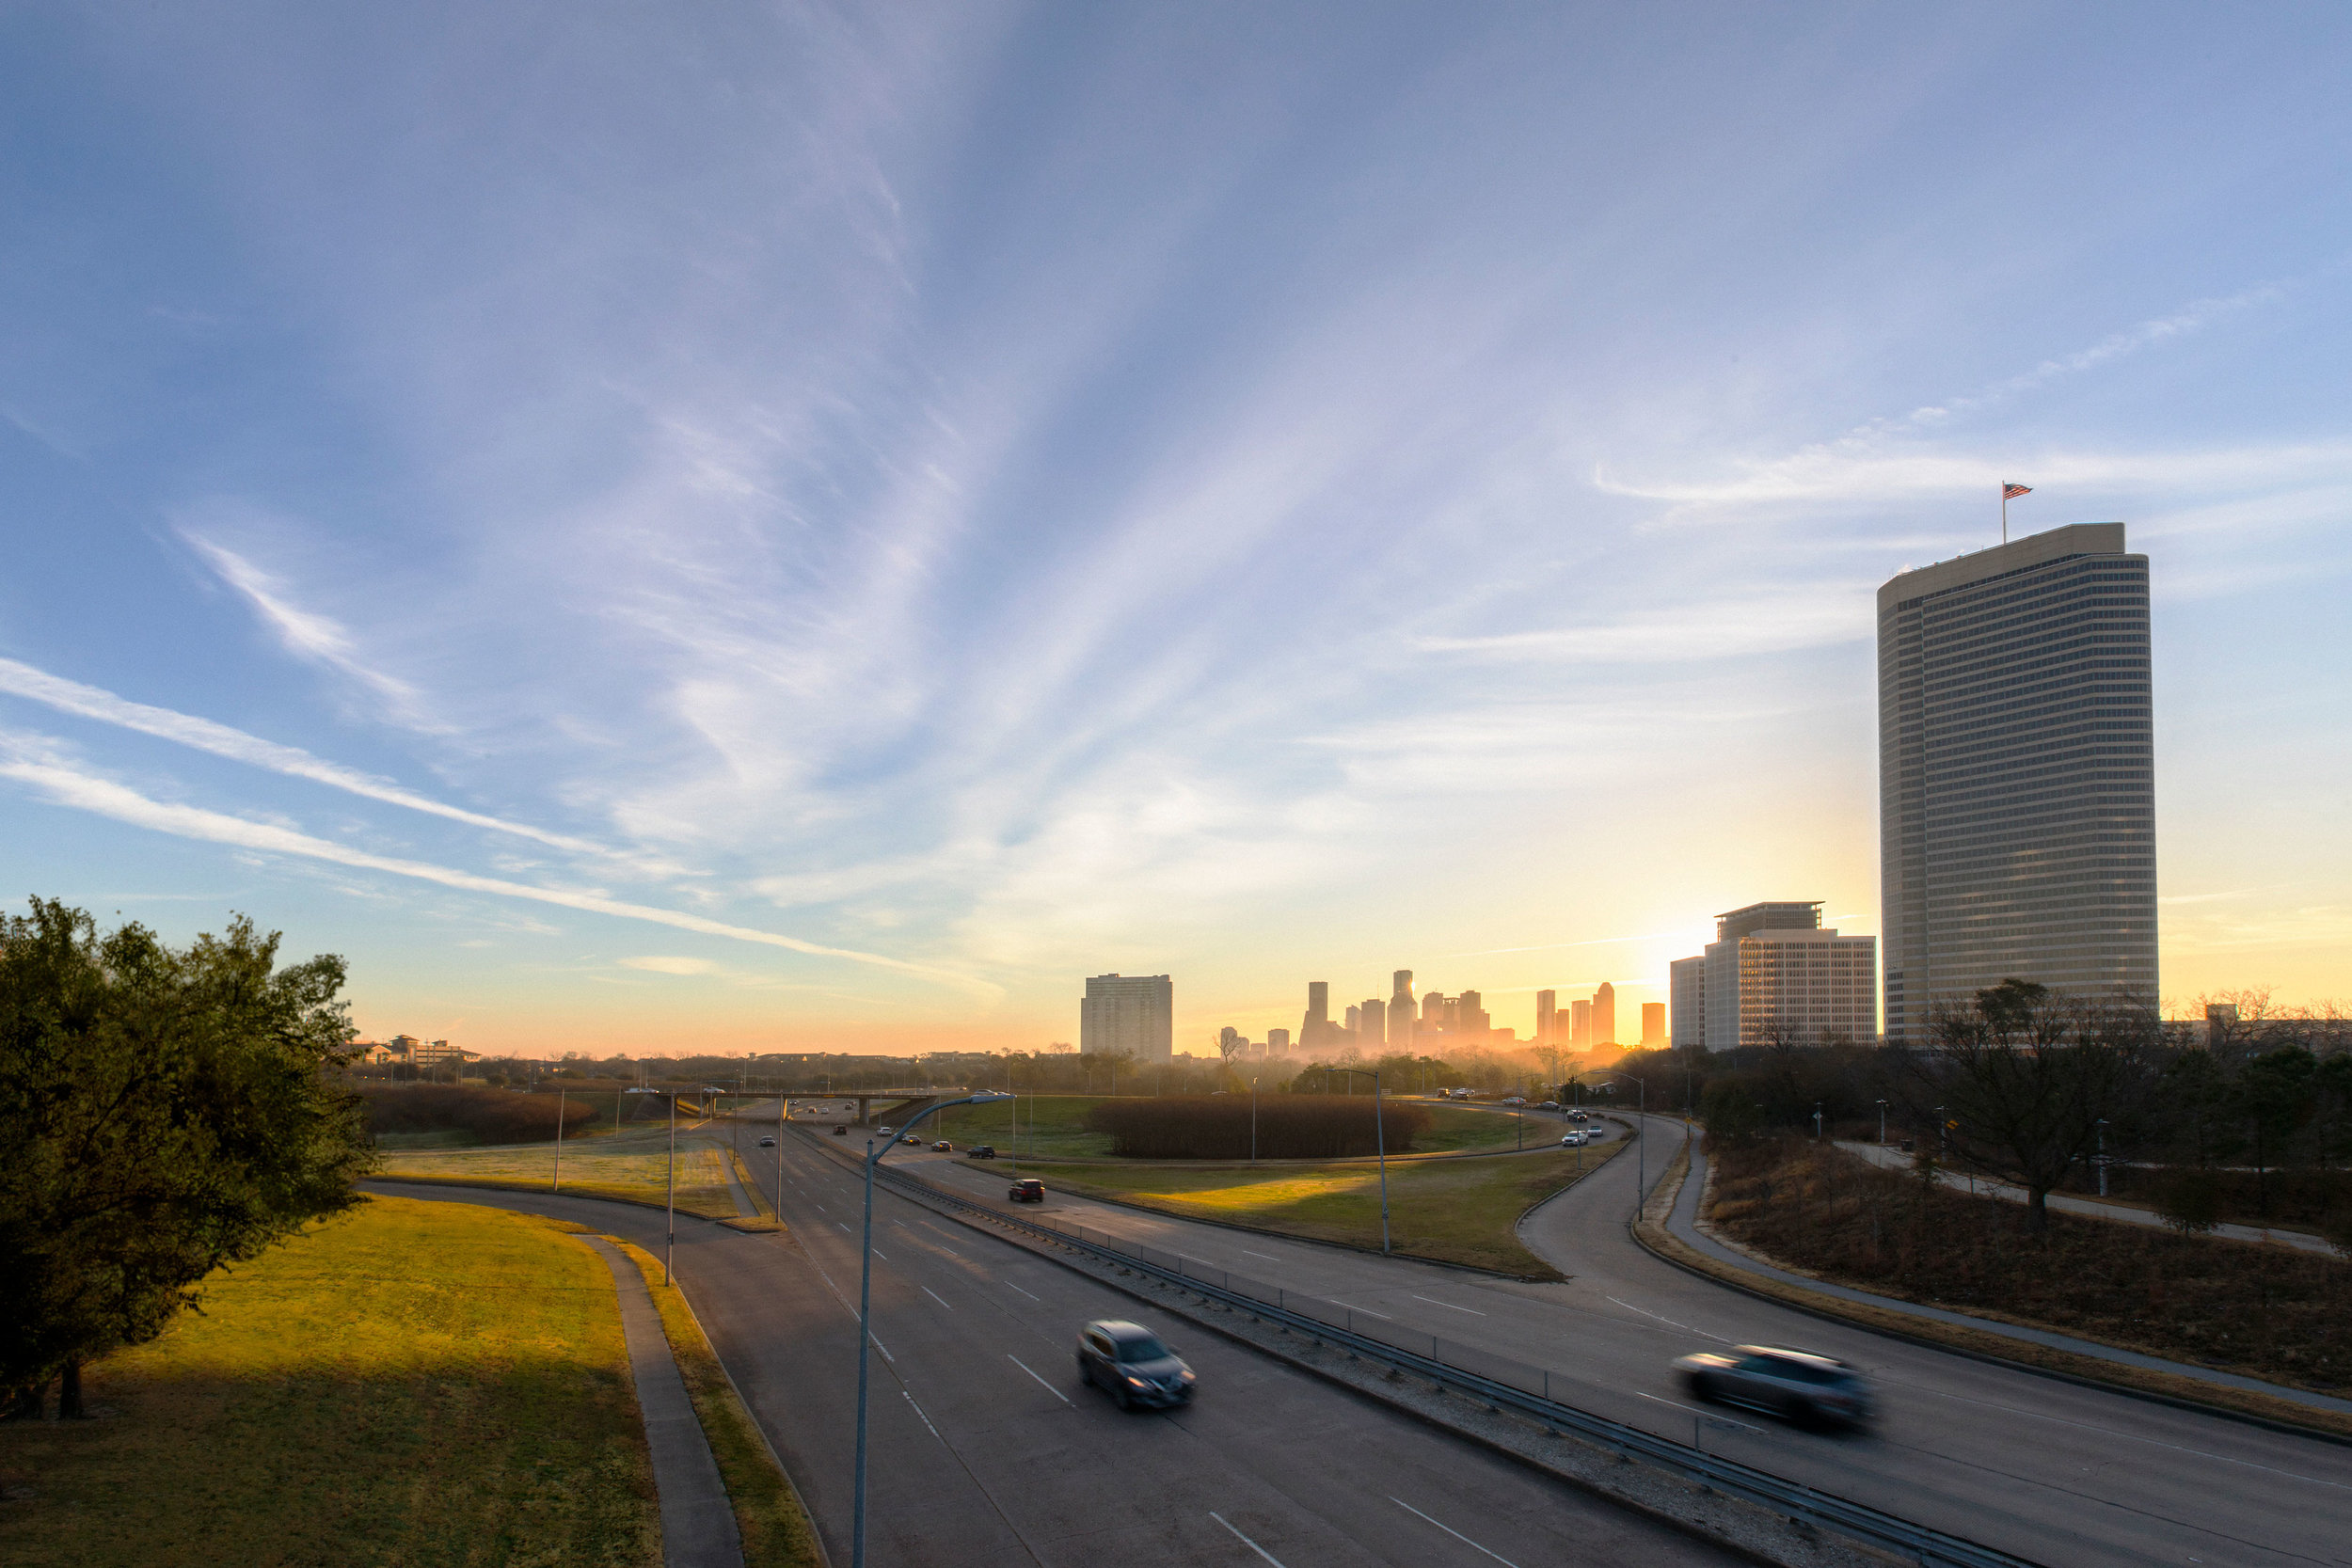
(664, 528)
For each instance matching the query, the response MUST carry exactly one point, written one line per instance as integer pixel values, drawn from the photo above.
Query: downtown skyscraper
(2017, 774)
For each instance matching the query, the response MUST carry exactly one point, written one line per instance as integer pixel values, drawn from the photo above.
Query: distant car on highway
(1134, 1364)
(840, 1132)
(1577, 1115)
(1516, 1099)
(980, 1151)
(1548, 1105)
(767, 1143)
(1573, 1140)
(911, 1138)
(1794, 1385)
(1028, 1190)
(943, 1147)
(886, 1131)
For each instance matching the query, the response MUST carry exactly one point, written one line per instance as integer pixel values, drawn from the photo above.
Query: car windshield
(1799, 1371)
(1146, 1348)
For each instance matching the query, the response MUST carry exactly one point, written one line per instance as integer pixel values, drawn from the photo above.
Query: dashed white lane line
(1245, 1540)
(885, 1350)
(1669, 1322)
(1042, 1382)
(845, 1229)
(1268, 1256)
(879, 1253)
(926, 1419)
(1435, 1301)
(936, 1296)
(1452, 1531)
(1366, 1311)
(1040, 1300)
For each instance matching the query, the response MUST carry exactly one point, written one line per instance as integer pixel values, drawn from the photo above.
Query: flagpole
(2005, 512)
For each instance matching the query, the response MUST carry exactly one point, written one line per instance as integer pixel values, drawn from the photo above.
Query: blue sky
(654, 527)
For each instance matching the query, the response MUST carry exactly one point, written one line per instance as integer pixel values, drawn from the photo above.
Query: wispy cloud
(305, 633)
(29, 761)
(204, 734)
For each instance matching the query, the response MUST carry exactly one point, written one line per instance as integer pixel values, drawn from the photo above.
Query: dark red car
(1028, 1190)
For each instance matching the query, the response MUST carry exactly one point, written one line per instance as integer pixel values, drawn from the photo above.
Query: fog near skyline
(791, 526)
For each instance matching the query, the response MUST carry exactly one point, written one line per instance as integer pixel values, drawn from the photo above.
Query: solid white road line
(1040, 1300)
(1435, 1301)
(1047, 1387)
(1245, 1540)
(845, 1229)
(1452, 1531)
(1268, 1256)
(1669, 1322)
(878, 1252)
(936, 1296)
(919, 1415)
(885, 1350)
(1366, 1311)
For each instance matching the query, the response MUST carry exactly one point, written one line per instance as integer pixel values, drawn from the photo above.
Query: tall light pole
(559, 1138)
(2102, 1161)
(1380, 1142)
(1253, 1121)
(866, 1306)
(669, 1184)
(1881, 1124)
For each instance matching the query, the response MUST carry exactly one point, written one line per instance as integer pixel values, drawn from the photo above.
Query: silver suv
(1135, 1365)
(1794, 1385)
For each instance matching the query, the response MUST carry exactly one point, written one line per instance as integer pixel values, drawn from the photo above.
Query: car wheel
(1703, 1387)
(1085, 1375)
(1122, 1399)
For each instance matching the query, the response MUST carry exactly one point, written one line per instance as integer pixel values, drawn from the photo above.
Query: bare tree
(2025, 1080)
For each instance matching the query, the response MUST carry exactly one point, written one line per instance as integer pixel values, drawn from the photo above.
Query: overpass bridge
(898, 1104)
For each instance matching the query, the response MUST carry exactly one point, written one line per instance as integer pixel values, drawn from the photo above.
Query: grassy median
(1453, 1211)
(632, 1164)
(412, 1383)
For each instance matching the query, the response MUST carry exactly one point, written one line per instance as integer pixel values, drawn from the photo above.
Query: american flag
(2010, 492)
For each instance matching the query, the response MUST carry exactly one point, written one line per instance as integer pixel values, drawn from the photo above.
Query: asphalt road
(2063, 1474)
(985, 1447)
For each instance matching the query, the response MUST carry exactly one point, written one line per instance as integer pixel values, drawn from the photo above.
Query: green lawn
(632, 1164)
(1457, 1211)
(412, 1384)
(1054, 1127)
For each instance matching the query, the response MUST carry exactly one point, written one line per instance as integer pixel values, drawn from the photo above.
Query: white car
(1572, 1140)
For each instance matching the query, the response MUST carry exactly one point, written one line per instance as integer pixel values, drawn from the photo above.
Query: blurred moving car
(941, 1147)
(883, 1130)
(1796, 1386)
(1028, 1189)
(840, 1132)
(980, 1151)
(1548, 1105)
(1135, 1365)
(767, 1143)
(1572, 1140)
(1577, 1115)
(911, 1138)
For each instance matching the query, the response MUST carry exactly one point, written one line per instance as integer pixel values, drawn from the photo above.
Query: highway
(985, 1448)
(2061, 1473)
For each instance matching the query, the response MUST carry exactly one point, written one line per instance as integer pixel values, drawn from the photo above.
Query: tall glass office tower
(2017, 831)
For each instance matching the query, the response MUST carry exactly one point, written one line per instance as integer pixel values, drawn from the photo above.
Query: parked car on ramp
(1794, 1385)
(1134, 1364)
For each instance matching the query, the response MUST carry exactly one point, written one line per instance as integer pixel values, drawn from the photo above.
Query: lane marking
(1268, 1256)
(920, 1416)
(1709, 1414)
(885, 1350)
(1245, 1540)
(1042, 1382)
(845, 1229)
(1452, 1531)
(878, 1252)
(1367, 1312)
(1669, 1322)
(934, 1295)
(1435, 1301)
(1040, 1300)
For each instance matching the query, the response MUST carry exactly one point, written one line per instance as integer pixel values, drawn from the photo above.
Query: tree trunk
(2036, 1209)
(69, 1392)
(27, 1404)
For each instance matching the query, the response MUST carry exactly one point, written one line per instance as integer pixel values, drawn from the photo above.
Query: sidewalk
(697, 1520)
(1887, 1157)
(1683, 1223)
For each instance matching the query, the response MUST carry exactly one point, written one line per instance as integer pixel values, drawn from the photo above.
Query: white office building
(1773, 973)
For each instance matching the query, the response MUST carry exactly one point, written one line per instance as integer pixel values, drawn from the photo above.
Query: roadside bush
(1289, 1127)
(494, 1115)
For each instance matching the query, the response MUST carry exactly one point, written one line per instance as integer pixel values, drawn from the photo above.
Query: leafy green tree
(163, 1112)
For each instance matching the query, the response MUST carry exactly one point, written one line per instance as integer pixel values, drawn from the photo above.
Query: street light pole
(2102, 1161)
(1380, 1142)
(1641, 1141)
(669, 1194)
(1881, 1124)
(558, 1139)
(866, 1309)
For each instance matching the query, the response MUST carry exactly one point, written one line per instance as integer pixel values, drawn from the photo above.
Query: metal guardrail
(1503, 1382)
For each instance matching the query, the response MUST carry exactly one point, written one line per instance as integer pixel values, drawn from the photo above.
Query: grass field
(1054, 1127)
(1457, 1210)
(339, 1402)
(629, 1164)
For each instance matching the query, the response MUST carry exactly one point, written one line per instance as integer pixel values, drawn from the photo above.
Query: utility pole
(558, 1139)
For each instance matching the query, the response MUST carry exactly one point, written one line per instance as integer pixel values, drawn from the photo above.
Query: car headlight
(1188, 1374)
(1136, 1381)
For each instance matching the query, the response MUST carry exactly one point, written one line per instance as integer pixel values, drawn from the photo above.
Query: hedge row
(1289, 1127)
(494, 1115)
